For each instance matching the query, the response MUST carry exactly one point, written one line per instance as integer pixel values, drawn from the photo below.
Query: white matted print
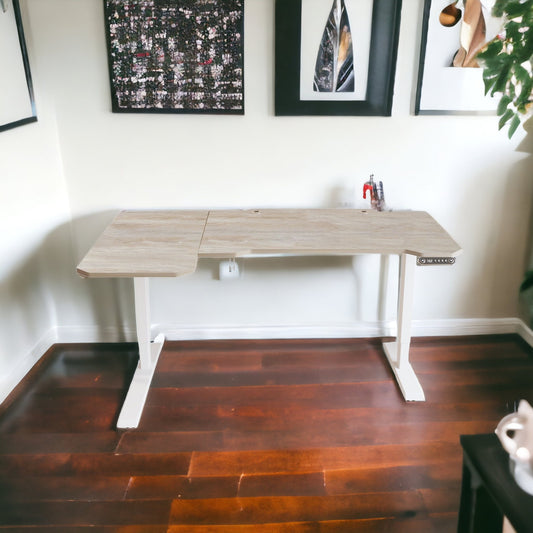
(315, 14)
(441, 85)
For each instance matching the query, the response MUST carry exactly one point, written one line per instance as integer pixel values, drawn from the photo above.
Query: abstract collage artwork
(176, 55)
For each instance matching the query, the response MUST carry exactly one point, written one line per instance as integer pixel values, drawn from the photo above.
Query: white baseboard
(525, 332)
(295, 331)
(74, 334)
(15, 376)
(468, 326)
(420, 328)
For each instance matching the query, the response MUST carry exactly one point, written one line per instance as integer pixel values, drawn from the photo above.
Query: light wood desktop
(168, 243)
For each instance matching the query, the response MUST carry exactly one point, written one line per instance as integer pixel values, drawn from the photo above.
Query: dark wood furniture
(489, 492)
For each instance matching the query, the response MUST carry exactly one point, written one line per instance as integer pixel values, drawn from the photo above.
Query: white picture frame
(443, 88)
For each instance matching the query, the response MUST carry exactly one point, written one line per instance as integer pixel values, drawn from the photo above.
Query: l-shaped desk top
(146, 244)
(168, 243)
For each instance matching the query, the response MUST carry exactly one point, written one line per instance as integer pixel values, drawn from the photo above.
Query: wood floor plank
(174, 487)
(30, 443)
(469, 348)
(443, 522)
(290, 509)
(500, 399)
(379, 525)
(325, 395)
(277, 376)
(317, 460)
(94, 464)
(267, 436)
(168, 441)
(293, 417)
(309, 484)
(345, 436)
(287, 527)
(220, 361)
(441, 499)
(90, 513)
(145, 528)
(396, 478)
(86, 413)
(56, 488)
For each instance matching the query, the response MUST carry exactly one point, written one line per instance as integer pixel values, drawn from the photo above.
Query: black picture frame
(198, 90)
(29, 99)
(422, 59)
(381, 72)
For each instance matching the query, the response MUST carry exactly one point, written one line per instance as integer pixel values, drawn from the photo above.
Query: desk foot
(405, 375)
(131, 412)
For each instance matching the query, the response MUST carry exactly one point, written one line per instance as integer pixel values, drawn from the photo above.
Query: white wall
(468, 175)
(35, 240)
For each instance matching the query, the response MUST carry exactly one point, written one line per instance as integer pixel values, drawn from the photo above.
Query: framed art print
(449, 78)
(17, 105)
(176, 56)
(336, 57)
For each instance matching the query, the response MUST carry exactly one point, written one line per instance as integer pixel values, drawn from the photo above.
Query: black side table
(489, 491)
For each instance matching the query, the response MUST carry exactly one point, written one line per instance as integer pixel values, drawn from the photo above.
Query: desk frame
(149, 352)
(397, 352)
(231, 234)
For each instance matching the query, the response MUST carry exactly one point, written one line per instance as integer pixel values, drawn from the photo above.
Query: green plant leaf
(489, 82)
(504, 102)
(498, 9)
(512, 31)
(508, 115)
(501, 81)
(515, 122)
(516, 9)
(492, 50)
(511, 90)
(528, 281)
(525, 94)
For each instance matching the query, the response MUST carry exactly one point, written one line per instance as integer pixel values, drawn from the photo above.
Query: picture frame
(378, 53)
(17, 104)
(441, 87)
(175, 56)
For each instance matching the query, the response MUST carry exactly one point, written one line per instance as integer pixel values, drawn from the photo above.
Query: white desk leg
(398, 352)
(131, 412)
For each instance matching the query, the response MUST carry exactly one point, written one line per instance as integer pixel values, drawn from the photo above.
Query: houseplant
(528, 281)
(507, 62)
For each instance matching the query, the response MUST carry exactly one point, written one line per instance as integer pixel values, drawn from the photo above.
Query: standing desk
(168, 243)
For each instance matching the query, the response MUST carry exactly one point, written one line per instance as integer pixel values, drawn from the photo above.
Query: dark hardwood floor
(252, 436)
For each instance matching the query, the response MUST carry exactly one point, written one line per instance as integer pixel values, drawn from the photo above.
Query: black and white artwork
(335, 49)
(17, 105)
(176, 55)
(336, 57)
(334, 70)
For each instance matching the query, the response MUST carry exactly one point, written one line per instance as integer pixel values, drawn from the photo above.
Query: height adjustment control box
(424, 261)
